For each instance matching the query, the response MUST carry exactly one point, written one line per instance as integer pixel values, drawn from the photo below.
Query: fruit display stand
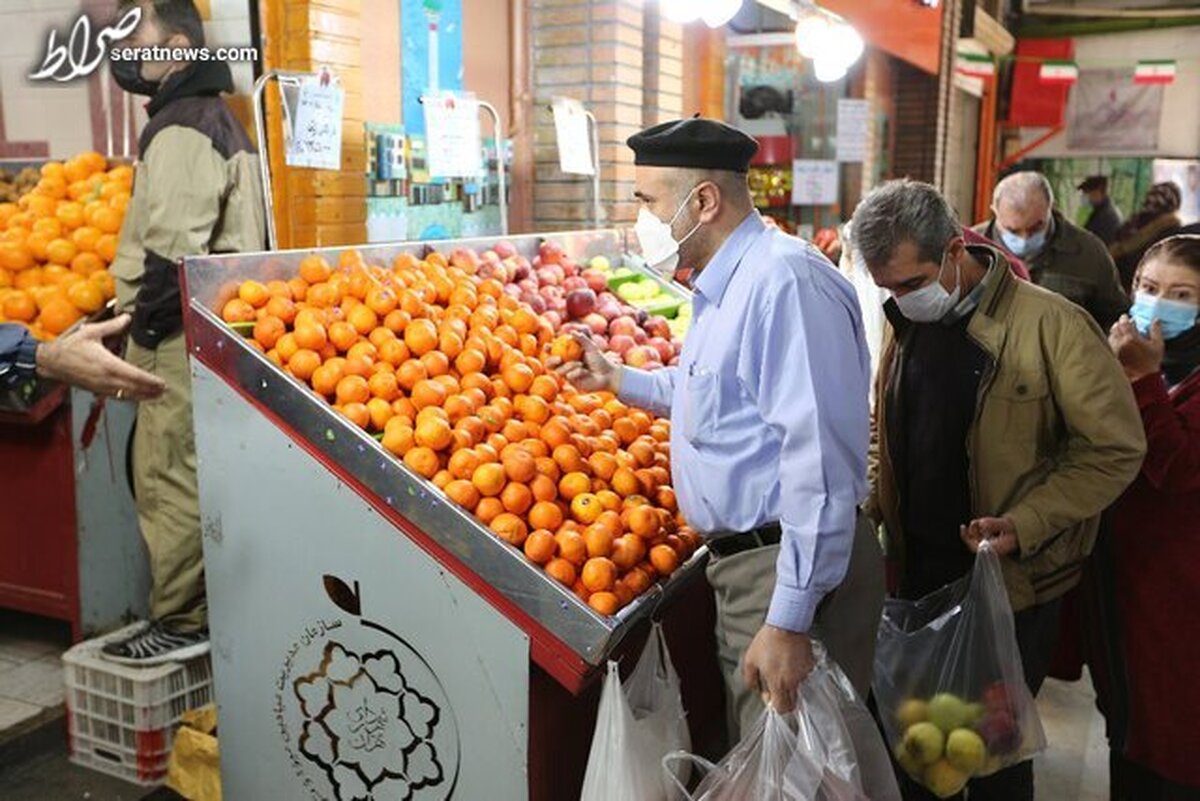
(370, 638)
(69, 548)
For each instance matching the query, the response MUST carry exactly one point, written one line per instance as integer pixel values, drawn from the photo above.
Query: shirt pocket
(701, 406)
(1019, 400)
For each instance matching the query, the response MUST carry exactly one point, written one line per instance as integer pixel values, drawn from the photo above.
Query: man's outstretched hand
(82, 359)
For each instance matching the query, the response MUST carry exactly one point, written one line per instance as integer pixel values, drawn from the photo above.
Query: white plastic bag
(636, 728)
(949, 682)
(828, 749)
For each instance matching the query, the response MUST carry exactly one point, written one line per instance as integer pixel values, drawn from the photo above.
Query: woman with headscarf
(1157, 219)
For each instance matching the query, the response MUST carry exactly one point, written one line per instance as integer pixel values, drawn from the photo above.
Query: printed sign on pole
(316, 129)
(454, 146)
(853, 120)
(574, 141)
(814, 182)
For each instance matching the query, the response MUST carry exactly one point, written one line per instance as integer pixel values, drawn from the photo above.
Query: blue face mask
(1020, 246)
(1176, 316)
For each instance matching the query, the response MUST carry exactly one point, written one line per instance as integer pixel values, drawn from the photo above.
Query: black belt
(729, 544)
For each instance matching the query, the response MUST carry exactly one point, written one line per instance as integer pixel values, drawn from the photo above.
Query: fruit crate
(122, 719)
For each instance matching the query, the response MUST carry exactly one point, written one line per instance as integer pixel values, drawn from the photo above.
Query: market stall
(368, 633)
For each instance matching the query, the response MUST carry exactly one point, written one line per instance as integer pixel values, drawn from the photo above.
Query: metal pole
(498, 132)
(595, 168)
(264, 151)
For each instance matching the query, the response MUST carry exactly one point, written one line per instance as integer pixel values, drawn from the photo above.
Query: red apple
(639, 336)
(641, 356)
(489, 255)
(596, 322)
(570, 269)
(595, 279)
(571, 283)
(582, 302)
(622, 325)
(520, 270)
(663, 346)
(997, 697)
(536, 303)
(492, 269)
(553, 318)
(1000, 733)
(464, 259)
(551, 252)
(505, 249)
(656, 326)
(512, 289)
(528, 285)
(546, 277)
(620, 344)
(674, 362)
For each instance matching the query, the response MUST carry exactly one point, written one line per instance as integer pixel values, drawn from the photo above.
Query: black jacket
(1105, 221)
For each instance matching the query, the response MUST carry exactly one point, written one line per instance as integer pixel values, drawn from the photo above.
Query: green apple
(912, 766)
(965, 751)
(600, 263)
(944, 780)
(948, 712)
(914, 710)
(924, 742)
(975, 713)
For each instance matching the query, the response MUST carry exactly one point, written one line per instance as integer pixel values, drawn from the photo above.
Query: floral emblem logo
(368, 727)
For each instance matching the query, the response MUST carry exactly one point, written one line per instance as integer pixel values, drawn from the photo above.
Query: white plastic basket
(122, 718)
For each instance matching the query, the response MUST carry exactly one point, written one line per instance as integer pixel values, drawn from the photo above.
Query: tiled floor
(31, 681)
(1074, 767)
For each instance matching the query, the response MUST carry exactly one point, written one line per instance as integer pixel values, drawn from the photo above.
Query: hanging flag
(976, 65)
(1058, 72)
(1154, 72)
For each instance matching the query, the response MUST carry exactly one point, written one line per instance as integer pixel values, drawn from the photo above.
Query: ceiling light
(716, 13)
(680, 10)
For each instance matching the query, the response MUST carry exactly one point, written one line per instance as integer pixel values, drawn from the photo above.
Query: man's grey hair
(903, 211)
(1022, 187)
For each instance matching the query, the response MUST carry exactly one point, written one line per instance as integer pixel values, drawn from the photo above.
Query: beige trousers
(164, 479)
(847, 619)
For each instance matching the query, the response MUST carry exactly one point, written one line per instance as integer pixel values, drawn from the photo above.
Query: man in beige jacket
(1000, 414)
(196, 190)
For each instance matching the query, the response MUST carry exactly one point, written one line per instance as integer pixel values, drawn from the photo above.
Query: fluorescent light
(829, 71)
(680, 10)
(716, 13)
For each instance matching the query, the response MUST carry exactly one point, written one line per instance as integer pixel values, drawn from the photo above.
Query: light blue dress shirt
(769, 409)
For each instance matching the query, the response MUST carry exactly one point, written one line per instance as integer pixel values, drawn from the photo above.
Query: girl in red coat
(1156, 534)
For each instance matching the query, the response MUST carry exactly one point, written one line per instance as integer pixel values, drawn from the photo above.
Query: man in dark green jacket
(1061, 256)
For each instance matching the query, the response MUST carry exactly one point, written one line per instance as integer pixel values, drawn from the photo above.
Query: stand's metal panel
(537, 603)
(345, 657)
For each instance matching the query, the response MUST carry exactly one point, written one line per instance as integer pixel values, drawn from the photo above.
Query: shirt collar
(971, 301)
(714, 278)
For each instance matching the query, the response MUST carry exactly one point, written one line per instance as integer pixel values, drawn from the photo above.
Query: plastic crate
(122, 719)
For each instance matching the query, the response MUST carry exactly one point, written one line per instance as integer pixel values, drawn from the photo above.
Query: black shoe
(155, 645)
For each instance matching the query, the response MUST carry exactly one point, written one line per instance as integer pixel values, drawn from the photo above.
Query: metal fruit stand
(69, 543)
(369, 637)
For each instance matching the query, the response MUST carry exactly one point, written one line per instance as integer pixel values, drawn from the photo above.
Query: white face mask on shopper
(931, 302)
(660, 249)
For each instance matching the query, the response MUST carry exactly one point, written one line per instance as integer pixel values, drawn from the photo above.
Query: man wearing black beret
(769, 418)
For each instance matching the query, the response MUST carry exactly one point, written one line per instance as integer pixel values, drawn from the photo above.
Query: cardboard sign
(814, 183)
(316, 129)
(452, 138)
(574, 140)
(853, 121)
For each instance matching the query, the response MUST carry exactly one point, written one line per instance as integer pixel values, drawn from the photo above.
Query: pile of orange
(447, 369)
(57, 241)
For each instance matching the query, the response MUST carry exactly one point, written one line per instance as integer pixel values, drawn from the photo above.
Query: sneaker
(155, 645)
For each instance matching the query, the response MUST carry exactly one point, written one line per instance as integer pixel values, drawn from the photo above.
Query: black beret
(697, 143)
(1093, 182)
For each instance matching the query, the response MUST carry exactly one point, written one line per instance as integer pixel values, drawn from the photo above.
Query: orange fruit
(603, 465)
(665, 498)
(571, 546)
(58, 315)
(237, 311)
(545, 514)
(567, 457)
(88, 298)
(599, 540)
(427, 393)
(380, 411)
(436, 363)
(540, 546)
(509, 528)
(311, 336)
(627, 551)
(423, 461)
(644, 522)
(411, 373)
(462, 465)
(665, 559)
(463, 493)
(383, 386)
(637, 581)
(363, 319)
(356, 413)
(15, 256)
(314, 269)
(19, 306)
(516, 497)
(566, 348)
(434, 433)
(61, 251)
(398, 436)
(573, 484)
(488, 509)
(394, 352)
(520, 465)
(489, 479)
(421, 336)
(625, 482)
(342, 335)
(586, 508)
(543, 487)
(106, 247)
(353, 389)
(519, 378)
(561, 570)
(85, 263)
(599, 574)
(268, 330)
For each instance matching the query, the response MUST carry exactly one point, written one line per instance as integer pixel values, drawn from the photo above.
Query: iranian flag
(1154, 72)
(975, 65)
(1058, 72)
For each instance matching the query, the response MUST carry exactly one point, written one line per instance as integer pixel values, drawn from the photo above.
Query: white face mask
(660, 249)
(931, 302)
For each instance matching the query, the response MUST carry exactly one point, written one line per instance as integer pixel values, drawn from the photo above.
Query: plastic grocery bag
(828, 749)
(194, 767)
(949, 682)
(636, 728)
